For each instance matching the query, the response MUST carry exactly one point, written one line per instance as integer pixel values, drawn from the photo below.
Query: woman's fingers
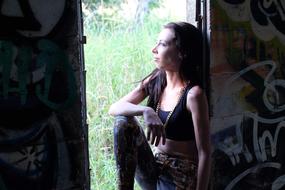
(163, 135)
(155, 133)
(155, 129)
(158, 136)
(148, 132)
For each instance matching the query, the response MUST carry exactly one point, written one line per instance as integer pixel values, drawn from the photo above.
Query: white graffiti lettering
(254, 169)
(234, 149)
(272, 11)
(278, 183)
(259, 143)
(280, 6)
(269, 84)
(264, 142)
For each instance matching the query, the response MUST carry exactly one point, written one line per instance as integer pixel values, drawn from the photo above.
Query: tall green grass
(115, 59)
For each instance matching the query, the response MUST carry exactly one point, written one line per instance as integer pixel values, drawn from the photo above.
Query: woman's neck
(174, 80)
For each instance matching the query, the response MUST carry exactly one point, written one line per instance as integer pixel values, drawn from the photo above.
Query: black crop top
(180, 124)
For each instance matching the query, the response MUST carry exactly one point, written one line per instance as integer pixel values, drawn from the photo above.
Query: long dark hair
(189, 42)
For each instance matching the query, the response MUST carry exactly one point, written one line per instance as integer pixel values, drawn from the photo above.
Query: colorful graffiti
(42, 131)
(248, 90)
(267, 18)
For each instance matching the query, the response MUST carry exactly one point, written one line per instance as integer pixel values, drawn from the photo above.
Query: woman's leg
(147, 170)
(133, 155)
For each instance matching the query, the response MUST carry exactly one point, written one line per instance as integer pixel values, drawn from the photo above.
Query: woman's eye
(162, 44)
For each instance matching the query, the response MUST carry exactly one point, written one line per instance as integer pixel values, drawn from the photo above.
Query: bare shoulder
(196, 99)
(196, 92)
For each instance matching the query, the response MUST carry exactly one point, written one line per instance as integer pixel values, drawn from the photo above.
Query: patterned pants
(135, 159)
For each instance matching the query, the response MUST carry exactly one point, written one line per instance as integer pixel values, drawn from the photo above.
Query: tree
(142, 10)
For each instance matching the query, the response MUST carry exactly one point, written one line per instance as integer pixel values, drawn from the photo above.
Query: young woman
(176, 119)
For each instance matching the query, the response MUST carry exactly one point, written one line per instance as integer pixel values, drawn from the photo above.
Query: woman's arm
(129, 106)
(197, 104)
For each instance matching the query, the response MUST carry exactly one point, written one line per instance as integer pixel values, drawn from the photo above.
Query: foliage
(113, 13)
(100, 12)
(107, 2)
(115, 59)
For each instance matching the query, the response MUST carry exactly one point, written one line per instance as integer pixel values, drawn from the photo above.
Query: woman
(176, 119)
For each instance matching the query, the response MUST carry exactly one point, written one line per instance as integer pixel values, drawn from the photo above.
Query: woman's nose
(154, 50)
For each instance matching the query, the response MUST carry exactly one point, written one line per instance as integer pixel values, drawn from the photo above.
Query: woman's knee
(124, 125)
(122, 121)
(124, 137)
(126, 122)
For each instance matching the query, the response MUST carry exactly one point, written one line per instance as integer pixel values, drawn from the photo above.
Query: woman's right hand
(155, 128)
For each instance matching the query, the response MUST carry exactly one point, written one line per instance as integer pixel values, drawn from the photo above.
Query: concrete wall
(247, 93)
(43, 135)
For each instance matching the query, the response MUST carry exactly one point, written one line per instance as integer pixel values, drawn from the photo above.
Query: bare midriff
(180, 148)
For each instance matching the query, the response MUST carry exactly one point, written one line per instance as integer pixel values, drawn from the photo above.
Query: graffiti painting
(248, 90)
(42, 128)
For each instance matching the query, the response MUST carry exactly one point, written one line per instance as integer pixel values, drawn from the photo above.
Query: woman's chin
(157, 65)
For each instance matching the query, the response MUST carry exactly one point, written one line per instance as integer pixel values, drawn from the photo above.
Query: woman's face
(166, 55)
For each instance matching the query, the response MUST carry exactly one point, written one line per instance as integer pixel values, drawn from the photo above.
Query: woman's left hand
(155, 128)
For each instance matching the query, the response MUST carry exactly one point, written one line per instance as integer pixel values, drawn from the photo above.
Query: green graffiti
(22, 63)
(6, 56)
(55, 60)
(25, 58)
(51, 58)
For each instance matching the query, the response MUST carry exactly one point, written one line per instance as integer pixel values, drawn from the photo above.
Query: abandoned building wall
(248, 93)
(43, 135)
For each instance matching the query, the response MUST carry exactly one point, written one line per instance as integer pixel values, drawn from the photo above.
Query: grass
(115, 59)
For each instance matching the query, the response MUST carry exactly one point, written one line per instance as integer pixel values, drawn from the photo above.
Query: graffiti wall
(43, 143)
(248, 93)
